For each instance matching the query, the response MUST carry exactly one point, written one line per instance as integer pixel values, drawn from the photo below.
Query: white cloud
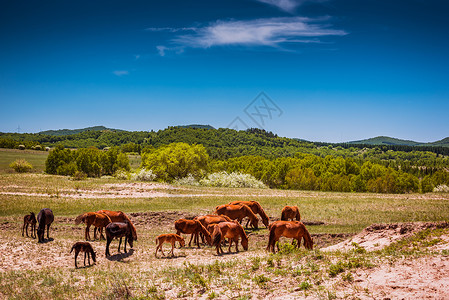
(165, 50)
(288, 5)
(261, 32)
(120, 73)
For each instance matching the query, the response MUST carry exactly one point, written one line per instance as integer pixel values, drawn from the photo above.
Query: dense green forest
(277, 161)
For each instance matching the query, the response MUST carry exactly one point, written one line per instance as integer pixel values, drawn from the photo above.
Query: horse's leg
(236, 241)
(85, 254)
(33, 231)
(126, 242)
(101, 233)
(95, 233)
(108, 242)
(86, 233)
(76, 255)
(247, 222)
(172, 247)
(119, 243)
(191, 236)
(48, 231)
(88, 257)
(230, 244)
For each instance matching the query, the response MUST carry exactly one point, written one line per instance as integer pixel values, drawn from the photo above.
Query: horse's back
(45, 215)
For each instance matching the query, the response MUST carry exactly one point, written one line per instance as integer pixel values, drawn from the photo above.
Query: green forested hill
(385, 140)
(75, 131)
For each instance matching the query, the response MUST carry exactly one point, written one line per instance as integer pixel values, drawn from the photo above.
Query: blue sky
(334, 71)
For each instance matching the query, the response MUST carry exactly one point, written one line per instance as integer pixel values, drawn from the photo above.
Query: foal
(168, 238)
(85, 247)
(29, 220)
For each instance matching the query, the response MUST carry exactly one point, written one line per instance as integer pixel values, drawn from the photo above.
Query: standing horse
(118, 216)
(85, 247)
(237, 212)
(289, 229)
(192, 227)
(290, 212)
(29, 220)
(118, 230)
(45, 217)
(92, 218)
(230, 230)
(168, 238)
(257, 209)
(211, 219)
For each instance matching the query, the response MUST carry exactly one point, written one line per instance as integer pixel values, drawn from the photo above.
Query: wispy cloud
(288, 5)
(169, 29)
(120, 73)
(260, 32)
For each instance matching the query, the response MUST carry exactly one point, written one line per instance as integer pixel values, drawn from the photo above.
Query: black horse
(45, 218)
(118, 230)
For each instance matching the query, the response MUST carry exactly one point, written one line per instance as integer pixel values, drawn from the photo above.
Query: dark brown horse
(45, 217)
(290, 212)
(237, 212)
(257, 209)
(194, 228)
(29, 220)
(118, 230)
(289, 229)
(85, 247)
(168, 238)
(231, 231)
(118, 216)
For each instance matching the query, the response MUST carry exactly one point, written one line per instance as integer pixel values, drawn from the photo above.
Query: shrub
(235, 180)
(189, 180)
(21, 166)
(442, 188)
(143, 175)
(122, 175)
(21, 147)
(79, 175)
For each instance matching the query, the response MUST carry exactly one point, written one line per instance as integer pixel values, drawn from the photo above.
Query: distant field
(36, 158)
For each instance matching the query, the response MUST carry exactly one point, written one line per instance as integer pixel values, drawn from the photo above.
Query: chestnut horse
(238, 212)
(211, 219)
(289, 229)
(192, 227)
(230, 230)
(92, 218)
(290, 212)
(118, 230)
(118, 216)
(257, 209)
(29, 220)
(45, 217)
(168, 238)
(86, 248)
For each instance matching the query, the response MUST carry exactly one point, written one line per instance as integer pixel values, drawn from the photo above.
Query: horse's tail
(73, 247)
(216, 235)
(298, 215)
(271, 239)
(308, 242)
(79, 219)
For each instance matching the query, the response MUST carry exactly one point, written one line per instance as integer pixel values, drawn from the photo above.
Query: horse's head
(255, 223)
(182, 242)
(40, 233)
(94, 256)
(245, 244)
(130, 241)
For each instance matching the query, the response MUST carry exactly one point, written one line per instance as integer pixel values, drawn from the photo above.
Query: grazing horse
(290, 212)
(118, 216)
(85, 247)
(118, 230)
(211, 219)
(45, 217)
(238, 212)
(92, 218)
(230, 230)
(257, 209)
(29, 220)
(289, 229)
(168, 238)
(192, 227)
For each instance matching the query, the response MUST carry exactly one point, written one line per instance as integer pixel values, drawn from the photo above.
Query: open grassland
(42, 271)
(35, 158)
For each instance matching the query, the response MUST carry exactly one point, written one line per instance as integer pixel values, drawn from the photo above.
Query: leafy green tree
(177, 160)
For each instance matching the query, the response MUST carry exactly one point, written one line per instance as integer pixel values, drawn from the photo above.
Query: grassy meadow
(46, 271)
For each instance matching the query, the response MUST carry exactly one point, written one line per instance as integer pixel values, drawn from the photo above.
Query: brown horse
(45, 217)
(211, 219)
(192, 227)
(99, 220)
(118, 216)
(118, 230)
(237, 212)
(289, 229)
(168, 238)
(290, 212)
(257, 209)
(86, 248)
(29, 220)
(230, 230)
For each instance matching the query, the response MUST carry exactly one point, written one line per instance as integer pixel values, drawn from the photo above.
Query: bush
(79, 175)
(143, 175)
(21, 147)
(235, 180)
(189, 180)
(122, 175)
(21, 166)
(442, 188)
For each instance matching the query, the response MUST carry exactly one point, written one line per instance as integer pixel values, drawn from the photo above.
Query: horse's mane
(307, 239)
(262, 213)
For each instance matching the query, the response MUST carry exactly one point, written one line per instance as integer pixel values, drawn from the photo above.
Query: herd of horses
(213, 229)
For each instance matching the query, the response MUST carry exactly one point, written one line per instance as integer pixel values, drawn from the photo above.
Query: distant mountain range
(380, 140)
(75, 131)
(385, 140)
